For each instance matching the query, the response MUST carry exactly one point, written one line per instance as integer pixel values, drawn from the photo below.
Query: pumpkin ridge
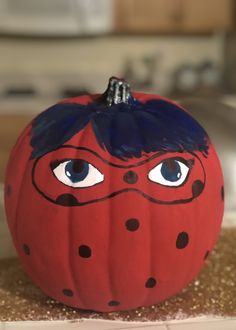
(112, 289)
(75, 279)
(16, 216)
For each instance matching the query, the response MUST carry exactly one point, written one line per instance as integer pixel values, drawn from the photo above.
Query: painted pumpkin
(114, 201)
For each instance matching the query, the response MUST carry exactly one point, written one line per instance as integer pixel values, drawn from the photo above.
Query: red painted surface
(120, 268)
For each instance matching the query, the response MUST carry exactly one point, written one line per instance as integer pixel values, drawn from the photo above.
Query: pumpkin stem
(118, 91)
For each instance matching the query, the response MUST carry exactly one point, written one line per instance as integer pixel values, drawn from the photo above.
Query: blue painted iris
(77, 173)
(77, 170)
(171, 170)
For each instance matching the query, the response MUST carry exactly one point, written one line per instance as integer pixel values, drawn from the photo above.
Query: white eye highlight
(171, 172)
(77, 173)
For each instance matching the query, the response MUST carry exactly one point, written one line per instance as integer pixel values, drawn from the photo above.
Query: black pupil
(171, 170)
(77, 170)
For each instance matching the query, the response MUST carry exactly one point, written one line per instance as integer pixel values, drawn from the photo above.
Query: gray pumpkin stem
(118, 91)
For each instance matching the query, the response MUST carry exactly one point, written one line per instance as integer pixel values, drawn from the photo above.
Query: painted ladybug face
(79, 175)
(114, 208)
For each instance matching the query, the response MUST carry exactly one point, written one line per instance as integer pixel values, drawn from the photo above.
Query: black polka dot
(182, 240)
(151, 282)
(67, 200)
(132, 224)
(130, 177)
(197, 188)
(8, 190)
(26, 249)
(85, 251)
(206, 254)
(222, 193)
(68, 292)
(114, 303)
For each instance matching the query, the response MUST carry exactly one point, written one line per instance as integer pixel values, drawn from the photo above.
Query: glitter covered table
(213, 292)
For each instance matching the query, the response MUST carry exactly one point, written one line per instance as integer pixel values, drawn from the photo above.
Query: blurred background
(183, 49)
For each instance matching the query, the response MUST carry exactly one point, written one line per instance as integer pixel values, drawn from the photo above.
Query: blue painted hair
(125, 130)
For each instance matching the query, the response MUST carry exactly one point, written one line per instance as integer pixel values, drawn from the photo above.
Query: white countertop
(200, 323)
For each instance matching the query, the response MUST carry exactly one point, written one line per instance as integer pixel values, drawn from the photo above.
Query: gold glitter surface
(213, 292)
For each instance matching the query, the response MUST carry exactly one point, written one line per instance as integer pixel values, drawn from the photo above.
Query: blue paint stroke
(124, 130)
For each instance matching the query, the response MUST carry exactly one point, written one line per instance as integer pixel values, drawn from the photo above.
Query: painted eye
(171, 172)
(77, 173)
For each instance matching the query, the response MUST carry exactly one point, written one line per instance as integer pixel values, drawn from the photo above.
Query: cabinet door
(147, 16)
(206, 15)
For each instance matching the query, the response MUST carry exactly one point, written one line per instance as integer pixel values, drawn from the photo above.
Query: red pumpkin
(113, 201)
